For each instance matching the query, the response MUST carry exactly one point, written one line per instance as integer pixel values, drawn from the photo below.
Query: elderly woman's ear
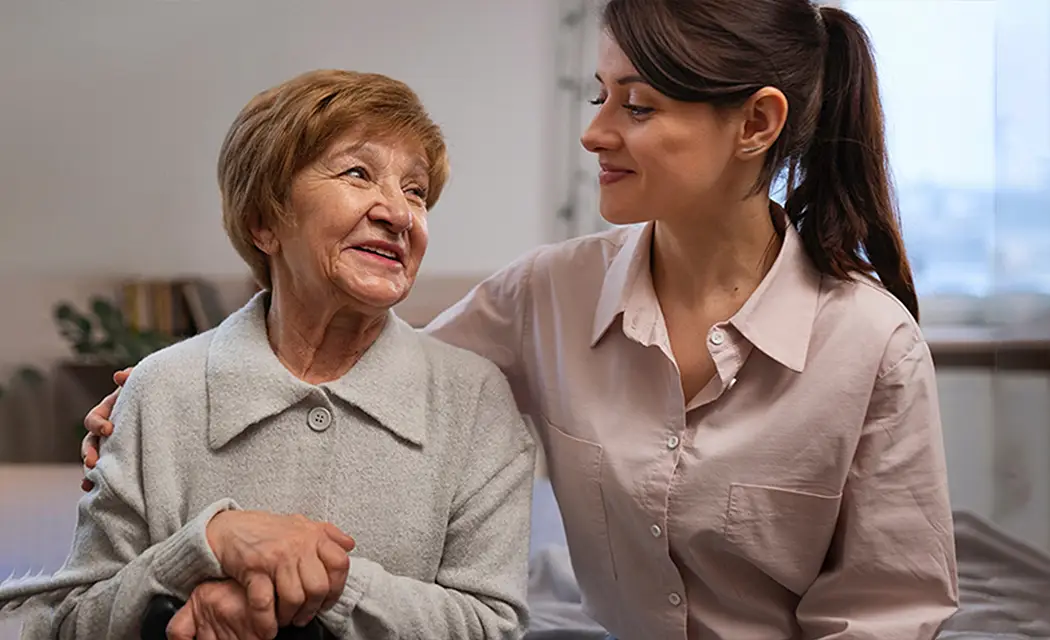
(266, 240)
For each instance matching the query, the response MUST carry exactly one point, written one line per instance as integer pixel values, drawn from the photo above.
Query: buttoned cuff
(186, 559)
(358, 582)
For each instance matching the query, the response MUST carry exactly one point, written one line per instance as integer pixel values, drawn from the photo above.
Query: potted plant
(102, 343)
(102, 337)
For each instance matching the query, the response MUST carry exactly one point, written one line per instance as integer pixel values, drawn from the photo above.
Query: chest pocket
(575, 469)
(783, 532)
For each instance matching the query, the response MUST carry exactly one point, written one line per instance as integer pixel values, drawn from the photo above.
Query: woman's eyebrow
(624, 80)
(359, 148)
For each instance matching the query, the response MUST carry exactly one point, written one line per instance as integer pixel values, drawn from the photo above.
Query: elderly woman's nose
(393, 210)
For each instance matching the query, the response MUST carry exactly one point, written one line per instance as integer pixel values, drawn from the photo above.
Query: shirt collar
(247, 383)
(777, 319)
(622, 278)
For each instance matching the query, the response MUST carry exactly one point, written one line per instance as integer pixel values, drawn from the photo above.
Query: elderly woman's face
(361, 226)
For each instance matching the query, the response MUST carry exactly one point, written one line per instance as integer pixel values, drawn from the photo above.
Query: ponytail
(844, 205)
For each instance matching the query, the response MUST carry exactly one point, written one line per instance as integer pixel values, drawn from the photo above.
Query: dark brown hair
(833, 147)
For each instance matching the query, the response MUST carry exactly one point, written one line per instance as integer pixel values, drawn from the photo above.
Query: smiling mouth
(380, 254)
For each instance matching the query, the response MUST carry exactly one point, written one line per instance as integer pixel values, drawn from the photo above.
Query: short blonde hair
(285, 128)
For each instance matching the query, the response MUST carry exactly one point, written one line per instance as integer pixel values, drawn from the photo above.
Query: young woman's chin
(620, 213)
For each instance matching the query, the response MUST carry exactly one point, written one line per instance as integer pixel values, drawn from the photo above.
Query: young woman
(735, 401)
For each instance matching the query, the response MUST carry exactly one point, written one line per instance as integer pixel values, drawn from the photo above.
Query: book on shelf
(179, 308)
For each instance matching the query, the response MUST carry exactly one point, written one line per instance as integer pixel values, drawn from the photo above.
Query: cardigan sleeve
(480, 588)
(114, 568)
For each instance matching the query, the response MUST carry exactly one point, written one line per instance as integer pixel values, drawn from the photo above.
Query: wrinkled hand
(301, 561)
(219, 610)
(98, 425)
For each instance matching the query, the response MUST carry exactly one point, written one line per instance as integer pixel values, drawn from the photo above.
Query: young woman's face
(660, 158)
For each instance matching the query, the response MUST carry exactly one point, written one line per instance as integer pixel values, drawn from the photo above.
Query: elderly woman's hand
(303, 562)
(219, 610)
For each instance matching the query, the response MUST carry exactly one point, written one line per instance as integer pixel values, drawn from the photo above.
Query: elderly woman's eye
(418, 192)
(357, 172)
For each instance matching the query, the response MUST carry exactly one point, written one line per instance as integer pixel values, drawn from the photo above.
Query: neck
(318, 342)
(698, 266)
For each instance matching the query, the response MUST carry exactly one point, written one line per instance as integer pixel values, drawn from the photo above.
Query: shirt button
(655, 530)
(319, 419)
(718, 337)
(673, 442)
(674, 599)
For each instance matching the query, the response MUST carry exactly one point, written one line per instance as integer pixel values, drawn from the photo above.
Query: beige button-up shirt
(802, 494)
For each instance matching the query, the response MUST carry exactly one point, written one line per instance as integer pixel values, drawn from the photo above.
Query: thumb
(183, 625)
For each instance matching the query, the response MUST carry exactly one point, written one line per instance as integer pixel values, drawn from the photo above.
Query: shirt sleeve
(891, 570)
(492, 320)
(113, 570)
(480, 588)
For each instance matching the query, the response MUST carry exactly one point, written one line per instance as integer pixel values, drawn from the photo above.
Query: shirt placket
(671, 598)
(728, 355)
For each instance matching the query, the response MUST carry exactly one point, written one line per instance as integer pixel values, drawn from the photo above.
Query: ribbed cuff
(358, 581)
(186, 559)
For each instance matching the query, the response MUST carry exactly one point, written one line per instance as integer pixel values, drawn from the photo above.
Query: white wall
(112, 112)
(997, 440)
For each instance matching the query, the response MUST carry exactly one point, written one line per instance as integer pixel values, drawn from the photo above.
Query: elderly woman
(251, 459)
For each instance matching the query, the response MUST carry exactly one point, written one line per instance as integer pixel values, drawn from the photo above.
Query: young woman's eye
(357, 172)
(637, 111)
(597, 101)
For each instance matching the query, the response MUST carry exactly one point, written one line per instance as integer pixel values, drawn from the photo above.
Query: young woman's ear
(764, 116)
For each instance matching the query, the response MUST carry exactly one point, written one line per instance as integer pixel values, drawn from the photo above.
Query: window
(966, 90)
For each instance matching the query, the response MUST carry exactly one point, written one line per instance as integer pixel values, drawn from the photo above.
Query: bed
(1004, 583)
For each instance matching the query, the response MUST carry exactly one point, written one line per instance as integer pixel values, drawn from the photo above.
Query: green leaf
(64, 311)
(30, 375)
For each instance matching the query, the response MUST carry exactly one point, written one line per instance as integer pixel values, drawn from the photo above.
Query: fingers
(221, 612)
(89, 451)
(121, 377)
(340, 538)
(182, 625)
(337, 564)
(223, 617)
(97, 420)
(206, 632)
(314, 577)
(290, 593)
(89, 455)
(261, 605)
